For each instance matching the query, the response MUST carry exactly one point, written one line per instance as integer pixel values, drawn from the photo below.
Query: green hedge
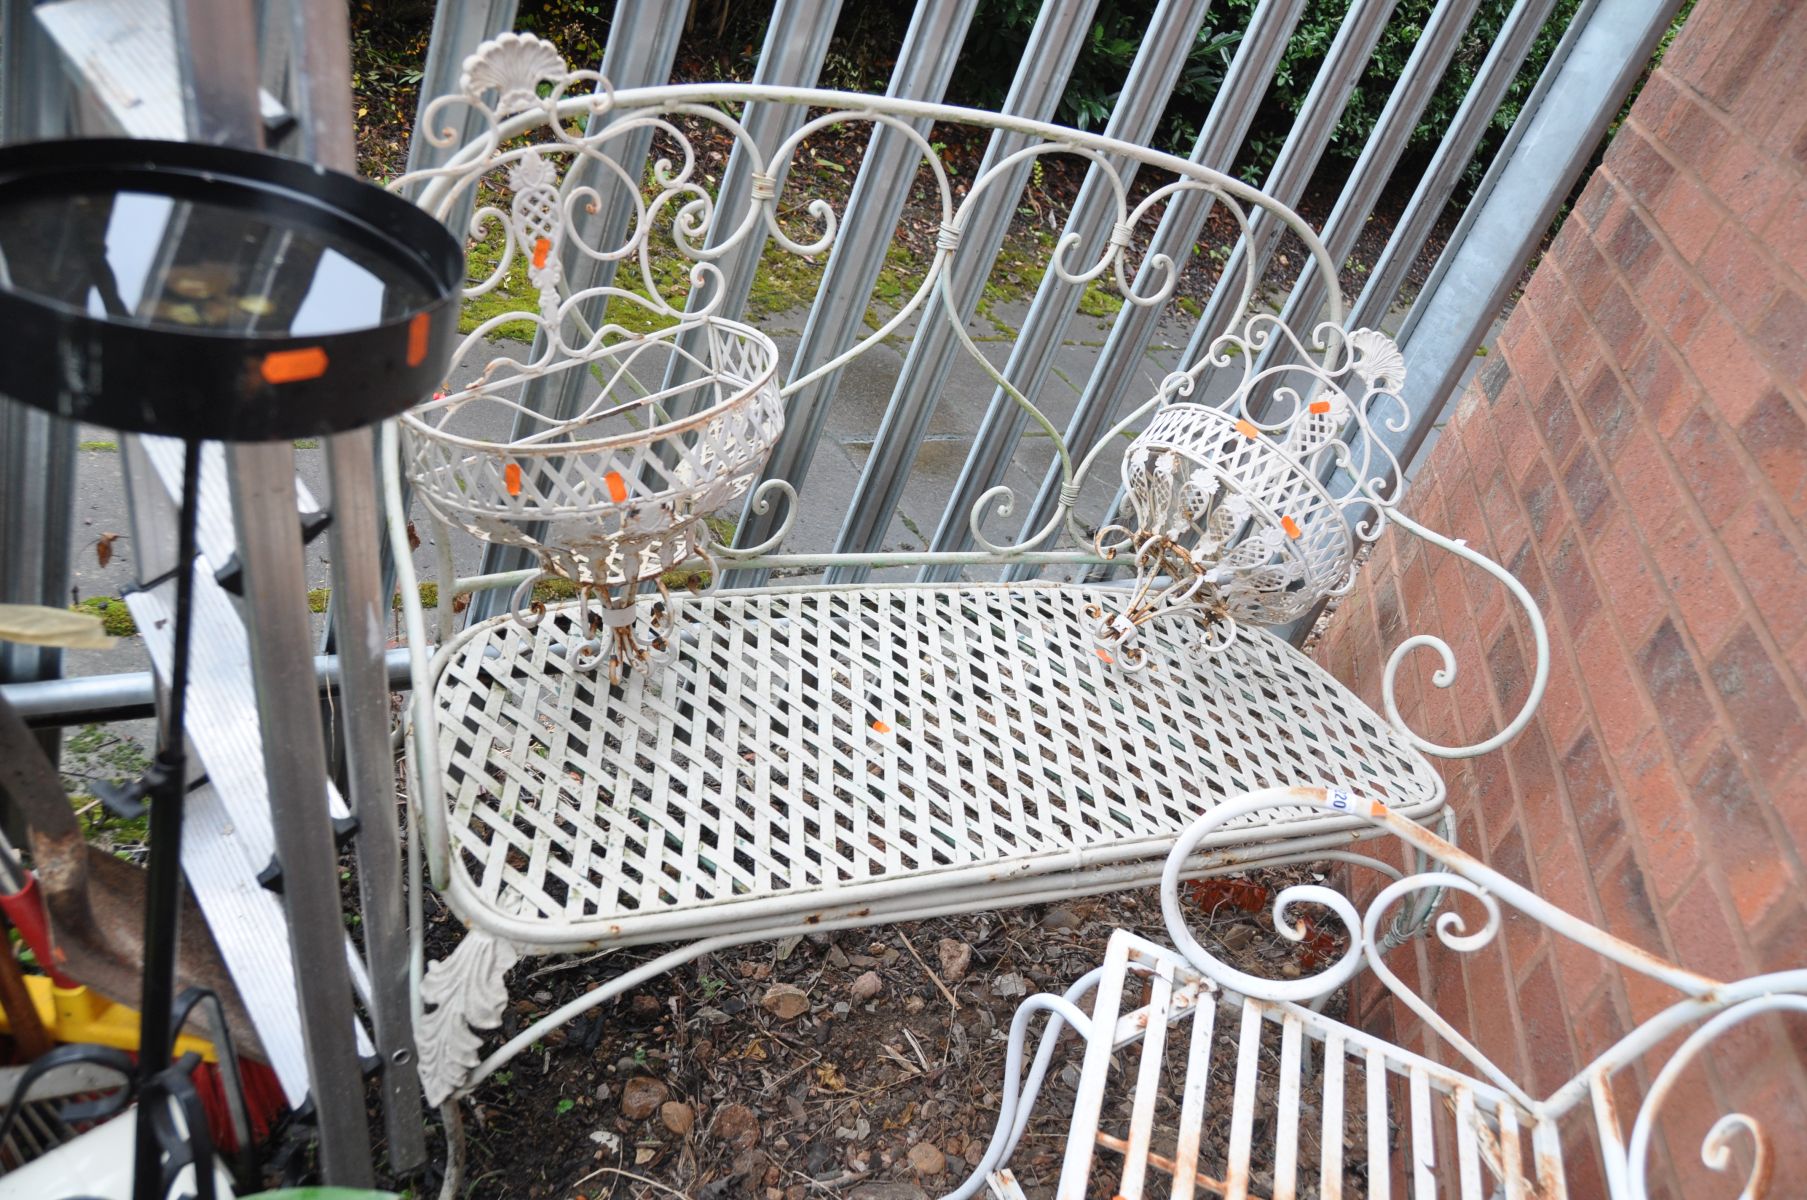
(723, 37)
(1002, 28)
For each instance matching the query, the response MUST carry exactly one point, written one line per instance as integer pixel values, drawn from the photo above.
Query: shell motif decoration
(1377, 360)
(513, 65)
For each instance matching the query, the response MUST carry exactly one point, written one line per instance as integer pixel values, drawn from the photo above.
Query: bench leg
(465, 992)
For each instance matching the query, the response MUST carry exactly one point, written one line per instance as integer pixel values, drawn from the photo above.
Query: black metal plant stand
(203, 292)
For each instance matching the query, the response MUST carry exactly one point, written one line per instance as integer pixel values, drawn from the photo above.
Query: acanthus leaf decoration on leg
(464, 992)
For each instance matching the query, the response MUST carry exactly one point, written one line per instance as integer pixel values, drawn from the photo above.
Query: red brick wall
(1635, 449)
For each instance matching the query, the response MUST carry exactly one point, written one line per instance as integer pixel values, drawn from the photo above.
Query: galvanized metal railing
(1608, 42)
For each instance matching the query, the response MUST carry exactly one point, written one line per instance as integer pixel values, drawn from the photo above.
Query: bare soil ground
(866, 1063)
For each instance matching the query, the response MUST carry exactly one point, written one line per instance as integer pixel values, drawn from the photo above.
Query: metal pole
(165, 785)
(796, 43)
(924, 66)
(132, 695)
(263, 493)
(1139, 107)
(320, 36)
(1433, 193)
(217, 56)
(1298, 158)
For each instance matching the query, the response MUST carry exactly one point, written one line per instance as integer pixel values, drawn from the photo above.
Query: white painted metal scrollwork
(1714, 1006)
(677, 208)
(465, 993)
(1231, 524)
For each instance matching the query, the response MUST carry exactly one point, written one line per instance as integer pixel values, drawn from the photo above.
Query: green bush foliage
(1002, 29)
(722, 39)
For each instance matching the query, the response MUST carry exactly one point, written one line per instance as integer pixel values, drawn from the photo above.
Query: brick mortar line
(1786, 273)
(1672, 607)
(1757, 480)
(1655, 330)
(1685, 89)
(1726, 728)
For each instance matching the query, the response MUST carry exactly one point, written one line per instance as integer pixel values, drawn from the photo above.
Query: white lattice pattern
(809, 747)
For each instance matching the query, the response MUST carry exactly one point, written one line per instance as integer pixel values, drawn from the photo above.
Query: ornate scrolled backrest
(1228, 511)
(1704, 1009)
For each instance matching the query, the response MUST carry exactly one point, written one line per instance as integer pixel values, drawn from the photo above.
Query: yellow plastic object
(80, 1014)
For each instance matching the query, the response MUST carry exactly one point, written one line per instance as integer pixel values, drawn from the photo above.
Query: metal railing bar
(1139, 106)
(1392, 130)
(1451, 158)
(132, 695)
(925, 64)
(1048, 57)
(1305, 144)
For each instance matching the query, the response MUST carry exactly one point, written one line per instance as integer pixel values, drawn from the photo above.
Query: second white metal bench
(1196, 1078)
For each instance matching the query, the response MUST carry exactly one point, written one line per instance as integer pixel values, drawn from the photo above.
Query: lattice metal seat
(816, 751)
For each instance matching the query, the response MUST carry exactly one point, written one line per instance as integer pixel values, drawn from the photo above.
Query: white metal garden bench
(1174, 1081)
(649, 762)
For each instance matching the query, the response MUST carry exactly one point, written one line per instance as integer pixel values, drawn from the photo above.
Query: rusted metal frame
(642, 46)
(1242, 1106)
(1330, 1140)
(1088, 1102)
(1227, 124)
(1392, 130)
(1054, 44)
(796, 44)
(925, 64)
(1139, 106)
(1147, 1086)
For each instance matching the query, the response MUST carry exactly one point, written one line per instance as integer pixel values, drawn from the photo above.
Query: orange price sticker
(1291, 526)
(541, 248)
(880, 727)
(511, 475)
(1320, 406)
(617, 486)
(1106, 657)
(1247, 430)
(418, 329)
(294, 366)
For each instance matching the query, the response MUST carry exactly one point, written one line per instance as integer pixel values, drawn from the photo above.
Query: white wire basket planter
(615, 496)
(1237, 518)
